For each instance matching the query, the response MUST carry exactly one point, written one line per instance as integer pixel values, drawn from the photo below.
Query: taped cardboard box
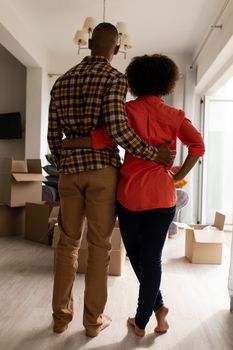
(12, 220)
(40, 219)
(117, 254)
(21, 181)
(203, 244)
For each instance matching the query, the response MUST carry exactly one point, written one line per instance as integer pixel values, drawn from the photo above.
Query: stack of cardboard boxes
(20, 181)
(20, 192)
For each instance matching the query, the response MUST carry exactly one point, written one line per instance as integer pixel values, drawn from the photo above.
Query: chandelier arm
(104, 10)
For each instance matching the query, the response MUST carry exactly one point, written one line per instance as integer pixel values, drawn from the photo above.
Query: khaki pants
(91, 194)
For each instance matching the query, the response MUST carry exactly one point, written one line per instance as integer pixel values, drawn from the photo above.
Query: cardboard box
(117, 254)
(40, 219)
(12, 220)
(203, 244)
(21, 181)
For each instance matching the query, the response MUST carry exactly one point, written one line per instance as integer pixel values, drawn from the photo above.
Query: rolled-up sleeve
(54, 135)
(192, 138)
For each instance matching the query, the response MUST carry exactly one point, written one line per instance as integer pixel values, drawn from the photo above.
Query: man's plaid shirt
(90, 95)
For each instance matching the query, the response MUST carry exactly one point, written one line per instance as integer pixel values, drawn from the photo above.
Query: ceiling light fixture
(81, 36)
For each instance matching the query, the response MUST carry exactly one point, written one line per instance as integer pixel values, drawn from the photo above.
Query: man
(90, 95)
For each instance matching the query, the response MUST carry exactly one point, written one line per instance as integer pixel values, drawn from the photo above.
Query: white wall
(12, 99)
(214, 67)
(23, 44)
(216, 57)
(44, 115)
(33, 112)
(37, 114)
(19, 39)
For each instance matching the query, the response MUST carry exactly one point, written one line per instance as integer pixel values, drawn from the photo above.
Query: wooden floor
(196, 294)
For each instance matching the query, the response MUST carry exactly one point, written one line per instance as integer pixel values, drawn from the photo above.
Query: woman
(146, 195)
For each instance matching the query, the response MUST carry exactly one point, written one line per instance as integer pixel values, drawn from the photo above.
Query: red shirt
(145, 184)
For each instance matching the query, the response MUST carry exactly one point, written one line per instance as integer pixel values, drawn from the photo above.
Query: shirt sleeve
(192, 138)
(117, 124)
(54, 135)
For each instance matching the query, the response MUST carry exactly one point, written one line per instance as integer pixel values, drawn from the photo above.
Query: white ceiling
(168, 26)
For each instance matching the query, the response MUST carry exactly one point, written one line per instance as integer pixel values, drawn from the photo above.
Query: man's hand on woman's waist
(165, 155)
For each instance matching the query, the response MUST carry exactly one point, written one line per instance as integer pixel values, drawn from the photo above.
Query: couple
(90, 100)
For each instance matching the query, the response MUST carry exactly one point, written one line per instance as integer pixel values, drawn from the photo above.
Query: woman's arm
(191, 138)
(188, 164)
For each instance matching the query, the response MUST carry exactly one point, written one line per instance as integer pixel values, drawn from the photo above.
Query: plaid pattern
(90, 95)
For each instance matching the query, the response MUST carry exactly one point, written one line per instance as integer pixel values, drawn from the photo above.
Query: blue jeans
(144, 233)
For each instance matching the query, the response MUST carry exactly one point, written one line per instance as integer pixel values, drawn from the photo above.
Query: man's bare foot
(59, 328)
(138, 331)
(106, 321)
(160, 315)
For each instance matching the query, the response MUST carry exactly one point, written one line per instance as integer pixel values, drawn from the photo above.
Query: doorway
(217, 167)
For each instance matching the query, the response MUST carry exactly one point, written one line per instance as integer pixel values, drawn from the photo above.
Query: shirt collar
(151, 98)
(92, 58)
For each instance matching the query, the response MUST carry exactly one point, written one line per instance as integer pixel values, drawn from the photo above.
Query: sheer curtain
(218, 163)
(189, 212)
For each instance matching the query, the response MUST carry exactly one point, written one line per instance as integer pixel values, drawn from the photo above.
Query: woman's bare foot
(160, 315)
(138, 331)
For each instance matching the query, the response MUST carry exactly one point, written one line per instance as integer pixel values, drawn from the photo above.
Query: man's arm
(118, 127)
(54, 135)
(100, 139)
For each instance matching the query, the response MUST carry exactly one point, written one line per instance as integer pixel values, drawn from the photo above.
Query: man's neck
(101, 53)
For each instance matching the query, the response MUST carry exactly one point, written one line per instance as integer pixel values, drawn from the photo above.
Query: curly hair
(152, 75)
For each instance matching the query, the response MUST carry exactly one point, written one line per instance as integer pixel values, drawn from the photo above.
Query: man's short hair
(105, 35)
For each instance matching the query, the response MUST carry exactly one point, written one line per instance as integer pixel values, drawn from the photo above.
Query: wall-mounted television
(10, 126)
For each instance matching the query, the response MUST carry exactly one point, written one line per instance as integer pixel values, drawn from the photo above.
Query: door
(217, 166)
